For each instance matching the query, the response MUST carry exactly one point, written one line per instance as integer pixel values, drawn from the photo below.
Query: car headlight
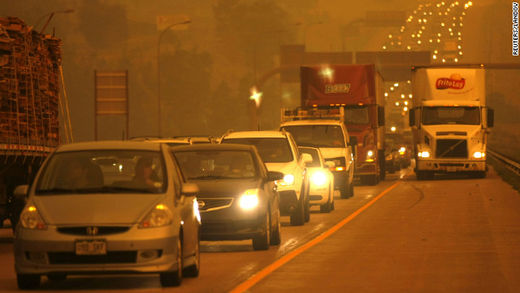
(319, 178)
(479, 155)
(370, 156)
(402, 151)
(287, 180)
(30, 219)
(158, 217)
(249, 199)
(424, 154)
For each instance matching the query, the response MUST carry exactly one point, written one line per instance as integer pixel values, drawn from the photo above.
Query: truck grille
(451, 148)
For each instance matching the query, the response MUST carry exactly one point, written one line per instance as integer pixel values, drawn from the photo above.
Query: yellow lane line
(286, 258)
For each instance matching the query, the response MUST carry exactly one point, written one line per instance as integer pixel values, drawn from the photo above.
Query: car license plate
(91, 247)
(451, 169)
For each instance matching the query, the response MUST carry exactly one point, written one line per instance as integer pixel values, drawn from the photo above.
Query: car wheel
(276, 237)
(262, 240)
(57, 276)
(298, 215)
(26, 281)
(169, 279)
(332, 206)
(325, 208)
(193, 270)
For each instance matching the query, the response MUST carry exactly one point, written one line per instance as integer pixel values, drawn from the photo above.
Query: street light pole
(159, 72)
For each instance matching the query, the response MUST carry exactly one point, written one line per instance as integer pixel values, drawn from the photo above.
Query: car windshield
(271, 150)
(103, 171)
(315, 157)
(317, 135)
(451, 115)
(213, 164)
(356, 115)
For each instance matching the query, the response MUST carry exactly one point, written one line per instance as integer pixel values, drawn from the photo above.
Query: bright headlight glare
(31, 219)
(319, 178)
(424, 154)
(370, 156)
(479, 155)
(402, 150)
(288, 179)
(158, 217)
(249, 199)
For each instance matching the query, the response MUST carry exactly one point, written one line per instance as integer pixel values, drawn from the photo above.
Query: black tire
(307, 209)
(381, 157)
(27, 282)
(424, 175)
(332, 206)
(276, 236)
(170, 279)
(262, 240)
(298, 215)
(193, 270)
(57, 277)
(325, 208)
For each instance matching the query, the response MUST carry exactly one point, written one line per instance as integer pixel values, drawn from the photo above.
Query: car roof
(256, 134)
(220, 147)
(311, 122)
(110, 145)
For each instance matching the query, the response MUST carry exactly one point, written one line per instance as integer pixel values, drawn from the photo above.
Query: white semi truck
(450, 120)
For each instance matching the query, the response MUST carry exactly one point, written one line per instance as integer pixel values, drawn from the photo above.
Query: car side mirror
(306, 158)
(274, 175)
(329, 164)
(20, 193)
(190, 189)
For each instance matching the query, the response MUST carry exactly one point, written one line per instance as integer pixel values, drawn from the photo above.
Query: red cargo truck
(358, 88)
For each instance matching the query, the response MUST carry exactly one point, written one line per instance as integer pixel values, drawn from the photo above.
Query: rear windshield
(271, 150)
(103, 171)
(317, 135)
(213, 164)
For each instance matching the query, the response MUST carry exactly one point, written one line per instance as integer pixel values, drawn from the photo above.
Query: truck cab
(325, 130)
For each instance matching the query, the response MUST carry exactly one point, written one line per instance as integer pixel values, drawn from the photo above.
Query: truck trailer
(450, 120)
(359, 89)
(29, 96)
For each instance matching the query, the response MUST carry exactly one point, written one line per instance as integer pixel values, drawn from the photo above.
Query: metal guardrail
(510, 164)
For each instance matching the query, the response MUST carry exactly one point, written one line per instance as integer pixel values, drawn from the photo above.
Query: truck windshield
(271, 150)
(451, 115)
(329, 136)
(356, 115)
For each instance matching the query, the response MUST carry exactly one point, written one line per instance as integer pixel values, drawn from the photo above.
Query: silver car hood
(99, 209)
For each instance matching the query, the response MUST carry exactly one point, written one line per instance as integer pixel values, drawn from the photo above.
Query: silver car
(108, 207)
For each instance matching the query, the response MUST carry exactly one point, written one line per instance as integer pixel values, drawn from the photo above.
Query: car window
(317, 135)
(315, 157)
(271, 150)
(216, 164)
(103, 171)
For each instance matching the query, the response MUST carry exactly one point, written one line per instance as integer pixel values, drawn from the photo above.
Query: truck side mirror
(380, 116)
(490, 117)
(411, 117)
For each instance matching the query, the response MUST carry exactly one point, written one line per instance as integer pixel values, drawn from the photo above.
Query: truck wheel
(298, 215)
(27, 282)
(276, 237)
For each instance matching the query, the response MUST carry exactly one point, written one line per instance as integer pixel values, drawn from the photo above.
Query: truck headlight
(30, 219)
(158, 217)
(287, 180)
(370, 156)
(424, 154)
(479, 155)
(249, 199)
(319, 178)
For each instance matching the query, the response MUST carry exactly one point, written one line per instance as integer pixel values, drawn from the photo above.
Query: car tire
(170, 279)
(298, 215)
(325, 208)
(262, 240)
(332, 206)
(276, 237)
(57, 277)
(27, 281)
(193, 270)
